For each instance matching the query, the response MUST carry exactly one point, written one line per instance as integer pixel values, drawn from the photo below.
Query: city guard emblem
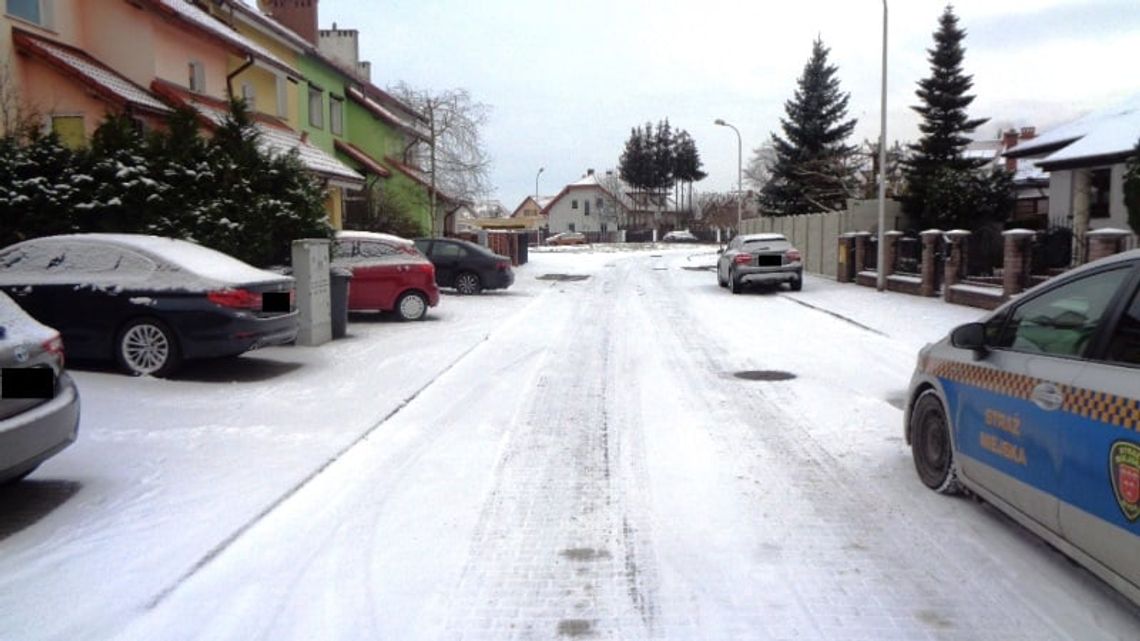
(1124, 466)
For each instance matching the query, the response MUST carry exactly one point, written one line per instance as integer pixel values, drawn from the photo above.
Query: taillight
(426, 268)
(792, 256)
(504, 266)
(235, 298)
(742, 258)
(54, 346)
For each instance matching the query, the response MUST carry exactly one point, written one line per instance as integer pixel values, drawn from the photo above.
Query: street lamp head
(541, 169)
(720, 121)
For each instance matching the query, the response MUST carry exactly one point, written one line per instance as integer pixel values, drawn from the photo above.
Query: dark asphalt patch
(764, 375)
(562, 277)
(575, 627)
(702, 268)
(584, 554)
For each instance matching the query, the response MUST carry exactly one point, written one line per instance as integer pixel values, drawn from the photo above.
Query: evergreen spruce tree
(635, 166)
(687, 164)
(812, 170)
(937, 160)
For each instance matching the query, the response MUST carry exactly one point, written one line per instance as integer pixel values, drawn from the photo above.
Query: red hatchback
(388, 274)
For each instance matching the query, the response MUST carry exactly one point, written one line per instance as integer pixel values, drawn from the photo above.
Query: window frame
(573, 203)
(316, 121)
(43, 7)
(336, 115)
(1101, 206)
(197, 78)
(1098, 342)
(51, 118)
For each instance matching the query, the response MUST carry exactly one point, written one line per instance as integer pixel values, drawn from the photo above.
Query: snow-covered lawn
(569, 457)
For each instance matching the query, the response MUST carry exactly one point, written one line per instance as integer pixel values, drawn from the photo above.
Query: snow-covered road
(570, 458)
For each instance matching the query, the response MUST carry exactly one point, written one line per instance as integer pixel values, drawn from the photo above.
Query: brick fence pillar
(1016, 261)
(890, 254)
(861, 250)
(957, 239)
(1105, 242)
(929, 269)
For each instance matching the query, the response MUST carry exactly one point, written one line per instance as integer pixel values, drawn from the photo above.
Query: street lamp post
(881, 282)
(739, 169)
(540, 170)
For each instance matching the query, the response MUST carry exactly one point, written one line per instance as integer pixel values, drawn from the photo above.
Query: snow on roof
(255, 14)
(91, 70)
(414, 128)
(1110, 130)
(280, 140)
(543, 201)
(748, 238)
(195, 16)
(587, 181)
(181, 264)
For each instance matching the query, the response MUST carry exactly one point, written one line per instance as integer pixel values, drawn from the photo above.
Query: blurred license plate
(769, 261)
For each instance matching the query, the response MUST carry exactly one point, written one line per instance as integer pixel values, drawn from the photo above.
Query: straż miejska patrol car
(1036, 409)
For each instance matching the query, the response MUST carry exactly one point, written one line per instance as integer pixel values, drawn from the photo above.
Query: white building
(1086, 160)
(584, 206)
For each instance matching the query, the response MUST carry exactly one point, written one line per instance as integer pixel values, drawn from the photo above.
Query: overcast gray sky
(567, 80)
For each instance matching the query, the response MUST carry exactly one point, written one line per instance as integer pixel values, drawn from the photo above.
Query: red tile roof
(101, 79)
(358, 154)
(417, 176)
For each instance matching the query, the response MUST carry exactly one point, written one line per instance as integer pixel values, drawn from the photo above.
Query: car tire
(797, 284)
(411, 306)
(737, 286)
(720, 281)
(931, 446)
(468, 283)
(146, 346)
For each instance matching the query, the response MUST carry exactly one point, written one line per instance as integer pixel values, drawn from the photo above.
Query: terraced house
(71, 62)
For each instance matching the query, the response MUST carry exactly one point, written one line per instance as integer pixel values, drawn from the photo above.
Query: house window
(282, 98)
(586, 203)
(336, 115)
(601, 205)
(316, 108)
(1100, 185)
(571, 226)
(249, 95)
(70, 130)
(34, 11)
(197, 80)
(573, 205)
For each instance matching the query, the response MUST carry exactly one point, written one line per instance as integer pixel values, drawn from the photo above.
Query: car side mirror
(970, 336)
(720, 251)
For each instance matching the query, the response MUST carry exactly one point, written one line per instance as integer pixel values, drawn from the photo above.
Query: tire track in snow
(225, 543)
(556, 550)
(851, 560)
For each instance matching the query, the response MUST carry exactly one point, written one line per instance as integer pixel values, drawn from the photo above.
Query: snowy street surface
(570, 458)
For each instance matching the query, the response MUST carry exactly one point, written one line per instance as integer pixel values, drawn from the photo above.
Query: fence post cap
(1018, 233)
(893, 232)
(958, 233)
(861, 233)
(930, 232)
(847, 234)
(1109, 232)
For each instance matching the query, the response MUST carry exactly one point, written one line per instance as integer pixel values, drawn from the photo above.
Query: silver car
(759, 258)
(39, 405)
(1036, 409)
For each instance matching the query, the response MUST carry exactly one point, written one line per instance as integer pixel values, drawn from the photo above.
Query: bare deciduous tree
(17, 117)
(458, 163)
(758, 171)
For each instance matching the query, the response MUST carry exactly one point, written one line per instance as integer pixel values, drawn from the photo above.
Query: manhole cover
(764, 375)
(562, 277)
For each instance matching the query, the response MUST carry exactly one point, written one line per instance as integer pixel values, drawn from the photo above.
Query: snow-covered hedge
(224, 192)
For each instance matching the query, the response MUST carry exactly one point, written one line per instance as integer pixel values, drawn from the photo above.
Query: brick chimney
(1028, 133)
(1009, 139)
(589, 172)
(300, 16)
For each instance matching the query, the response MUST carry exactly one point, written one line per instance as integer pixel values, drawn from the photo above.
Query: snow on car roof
(371, 235)
(748, 238)
(18, 326)
(179, 257)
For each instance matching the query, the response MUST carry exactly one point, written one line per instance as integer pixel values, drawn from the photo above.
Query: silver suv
(759, 258)
(39, 404)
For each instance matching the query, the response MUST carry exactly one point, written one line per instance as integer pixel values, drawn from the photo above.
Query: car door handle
(1047, 396)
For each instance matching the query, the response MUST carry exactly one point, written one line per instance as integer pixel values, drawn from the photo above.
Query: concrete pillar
(957, 238)
(890, 254)
(314, 304)
(1016, 261)
(929, 267)
(861, 243)
(1081, 192)
(1106, 242)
